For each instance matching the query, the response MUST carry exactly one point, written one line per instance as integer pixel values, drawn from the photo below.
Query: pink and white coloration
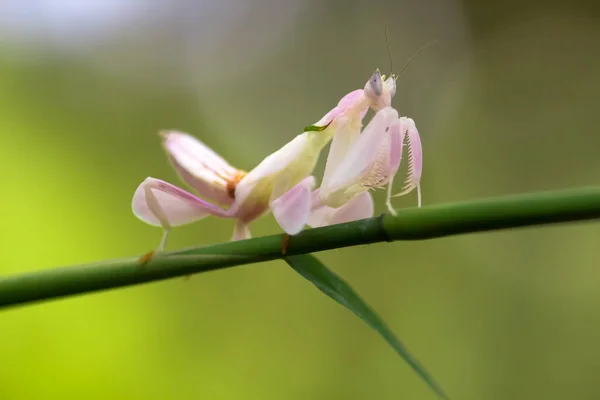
(281, 183)
(229, 192)
(358, 162)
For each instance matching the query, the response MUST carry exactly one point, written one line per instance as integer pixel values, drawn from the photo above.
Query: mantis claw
(391, 208)
(146, 257)
(150, 255)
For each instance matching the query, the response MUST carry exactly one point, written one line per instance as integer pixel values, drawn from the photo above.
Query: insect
(282, 183)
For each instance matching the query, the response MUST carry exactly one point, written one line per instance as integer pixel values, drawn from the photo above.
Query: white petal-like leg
(388, 199)
(241, 231)
(362, 156)
(296, 158)
(163, 240)
(292, 209)
(343, 139)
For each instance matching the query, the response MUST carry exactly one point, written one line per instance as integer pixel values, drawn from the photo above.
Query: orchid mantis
(282, 182)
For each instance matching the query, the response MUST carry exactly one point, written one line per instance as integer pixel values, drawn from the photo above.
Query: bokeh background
(506, 102)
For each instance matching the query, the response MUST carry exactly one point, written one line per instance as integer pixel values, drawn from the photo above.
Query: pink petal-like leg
(292, 209)
(355, 101)
(159, 203)
(200, 167)
(396, 141)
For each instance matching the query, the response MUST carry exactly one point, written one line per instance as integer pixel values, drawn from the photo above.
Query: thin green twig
(410, 224)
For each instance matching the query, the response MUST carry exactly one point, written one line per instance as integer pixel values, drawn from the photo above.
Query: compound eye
(391, 85)
(375, 86)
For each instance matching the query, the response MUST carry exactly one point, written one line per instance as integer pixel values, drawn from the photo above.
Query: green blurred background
(506, 102)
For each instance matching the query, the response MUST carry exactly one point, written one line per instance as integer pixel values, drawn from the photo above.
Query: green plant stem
(410, 224)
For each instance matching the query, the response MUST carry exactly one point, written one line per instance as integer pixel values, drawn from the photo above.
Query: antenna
(415, 56)
(387, 44)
